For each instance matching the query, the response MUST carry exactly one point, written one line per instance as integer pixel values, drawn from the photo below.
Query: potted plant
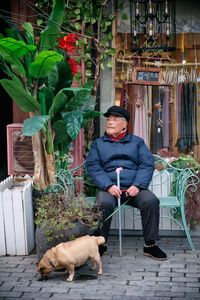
(61, 217)
(192, 203)
(38, 78)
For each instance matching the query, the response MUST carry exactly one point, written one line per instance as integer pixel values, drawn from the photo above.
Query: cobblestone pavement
(133, 276)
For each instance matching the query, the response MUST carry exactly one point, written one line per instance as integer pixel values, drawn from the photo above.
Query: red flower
(36, 39)
(73, 65)
(67, 43)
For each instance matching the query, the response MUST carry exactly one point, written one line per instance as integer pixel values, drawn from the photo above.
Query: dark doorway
(6, 115)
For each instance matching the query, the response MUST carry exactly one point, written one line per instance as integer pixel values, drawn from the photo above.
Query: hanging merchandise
(198, 112)
(149, 113)
(157, 134)
(183, 77)
(166, 113)
(187, 137)
(165, 118)
(140, 126)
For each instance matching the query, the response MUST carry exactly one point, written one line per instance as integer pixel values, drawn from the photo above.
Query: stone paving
(133, 276)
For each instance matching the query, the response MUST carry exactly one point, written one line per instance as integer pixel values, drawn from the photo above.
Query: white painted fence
(16, 217)
(160, 186)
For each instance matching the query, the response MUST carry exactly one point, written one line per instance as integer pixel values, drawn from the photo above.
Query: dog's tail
(100, 240)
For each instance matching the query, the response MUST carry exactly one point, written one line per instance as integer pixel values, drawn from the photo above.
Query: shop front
(157, 73)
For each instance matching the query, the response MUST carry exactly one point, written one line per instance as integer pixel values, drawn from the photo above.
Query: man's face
(115, 125)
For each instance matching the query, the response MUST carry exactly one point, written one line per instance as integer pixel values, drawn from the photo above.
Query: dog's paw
(99, 273)
(69, 279)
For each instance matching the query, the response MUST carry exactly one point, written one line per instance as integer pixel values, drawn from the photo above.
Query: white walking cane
(119, 212)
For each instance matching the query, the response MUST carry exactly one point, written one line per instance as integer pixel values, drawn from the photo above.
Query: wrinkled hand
(132, 191)
(114, 191)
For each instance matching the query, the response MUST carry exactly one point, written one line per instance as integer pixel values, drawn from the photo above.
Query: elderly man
(118, 148)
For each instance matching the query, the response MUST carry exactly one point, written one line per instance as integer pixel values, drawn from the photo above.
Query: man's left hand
(132, 191)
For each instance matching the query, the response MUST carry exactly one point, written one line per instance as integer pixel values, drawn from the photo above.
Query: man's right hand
(114, 191)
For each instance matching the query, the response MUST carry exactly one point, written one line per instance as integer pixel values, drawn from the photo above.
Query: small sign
(146, 76)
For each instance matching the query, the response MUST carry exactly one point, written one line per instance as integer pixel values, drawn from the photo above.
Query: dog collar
(50, 262)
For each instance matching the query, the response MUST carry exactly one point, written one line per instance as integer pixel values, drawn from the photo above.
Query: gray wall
(187, 16)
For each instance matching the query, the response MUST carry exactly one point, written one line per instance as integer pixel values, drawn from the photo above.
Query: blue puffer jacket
(130, 153)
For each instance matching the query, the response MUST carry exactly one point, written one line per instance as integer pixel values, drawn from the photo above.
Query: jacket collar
(125, 139)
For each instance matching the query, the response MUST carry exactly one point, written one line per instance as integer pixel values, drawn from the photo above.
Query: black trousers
(145, 201)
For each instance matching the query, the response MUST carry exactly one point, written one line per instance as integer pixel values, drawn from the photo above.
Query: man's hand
(132, 191)
(114, 191)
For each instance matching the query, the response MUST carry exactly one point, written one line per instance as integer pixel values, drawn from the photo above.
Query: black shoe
(154, 252)
(102, 249)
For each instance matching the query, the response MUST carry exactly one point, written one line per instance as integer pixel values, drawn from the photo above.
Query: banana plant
(39, 80)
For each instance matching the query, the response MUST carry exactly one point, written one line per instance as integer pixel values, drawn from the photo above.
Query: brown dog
(72, 254)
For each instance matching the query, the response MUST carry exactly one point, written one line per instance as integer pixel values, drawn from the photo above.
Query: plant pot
(41, 239)
(16, 217)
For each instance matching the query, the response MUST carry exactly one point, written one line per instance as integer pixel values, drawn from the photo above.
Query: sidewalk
(133, 276)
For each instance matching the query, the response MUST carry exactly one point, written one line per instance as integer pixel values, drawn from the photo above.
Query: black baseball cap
(119, 111)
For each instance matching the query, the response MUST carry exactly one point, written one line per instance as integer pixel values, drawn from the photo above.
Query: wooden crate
(16, 218)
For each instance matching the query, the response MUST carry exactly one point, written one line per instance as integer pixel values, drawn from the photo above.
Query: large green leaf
(88, 85)
(28, 28)
(58, 103)
(12, 33)
(61, 134)
(18, 67)
(44, 63)
(71, 89)
(89, 105)
(53, 78)
(12, 50)
(79, 99)
(49, 37)
(25, 101)
(49, 96)
(90, 115)
(8, 57)
(15, 48)
(73, 122)
(64, 75)
(15, 78)
(33, 125)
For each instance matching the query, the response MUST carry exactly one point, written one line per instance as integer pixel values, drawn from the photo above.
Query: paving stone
(185, 289)
(184, 279)
(12, 270)
(15, 295)
(16, 283)
(4, 274)
(55, 289)
(155, 298)
(5, 288)
(192, 295)
(126, 298)
(35, 295)
(170, 294)
(64, 296)
(28, 289)
(27, 276)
